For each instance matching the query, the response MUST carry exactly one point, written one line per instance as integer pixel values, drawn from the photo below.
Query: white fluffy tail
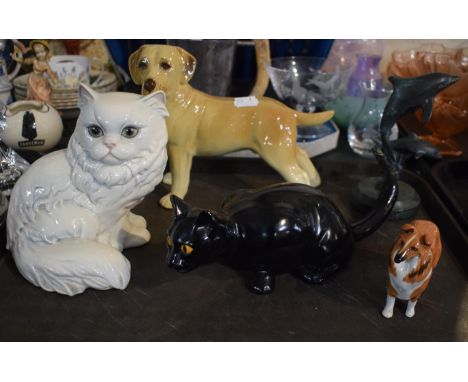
(70, 266)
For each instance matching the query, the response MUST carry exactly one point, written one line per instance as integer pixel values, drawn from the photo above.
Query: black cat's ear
(205, 223)
(180, 208)
(86, 94)
(205, 218)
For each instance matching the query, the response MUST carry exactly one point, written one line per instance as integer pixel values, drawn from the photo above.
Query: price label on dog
(245, 101)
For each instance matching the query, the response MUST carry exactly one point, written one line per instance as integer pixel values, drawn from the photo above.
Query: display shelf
(211, 303)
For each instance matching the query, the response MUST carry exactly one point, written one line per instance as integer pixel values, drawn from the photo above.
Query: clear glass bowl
(307, 83)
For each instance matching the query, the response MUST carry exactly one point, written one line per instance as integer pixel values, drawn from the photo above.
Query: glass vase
(366, 74)
(364, 129)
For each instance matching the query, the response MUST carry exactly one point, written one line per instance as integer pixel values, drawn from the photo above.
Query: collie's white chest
(403, 288)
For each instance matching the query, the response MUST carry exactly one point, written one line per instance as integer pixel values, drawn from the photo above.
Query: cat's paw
(136, 220)
(137, 238)
(165, 201)
(261, 282)
(167, 179)
(314, 275)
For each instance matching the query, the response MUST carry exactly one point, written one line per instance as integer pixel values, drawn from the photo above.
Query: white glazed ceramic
(3, 208)
(32, 125)
(69, 216)
(74, 69)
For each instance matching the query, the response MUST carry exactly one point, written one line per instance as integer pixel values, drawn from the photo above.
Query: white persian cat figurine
(69, 216)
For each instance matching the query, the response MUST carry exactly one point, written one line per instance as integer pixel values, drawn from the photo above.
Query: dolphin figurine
(410, 94)
(413, 146)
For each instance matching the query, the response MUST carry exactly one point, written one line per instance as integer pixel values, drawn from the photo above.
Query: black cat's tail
(387, 198)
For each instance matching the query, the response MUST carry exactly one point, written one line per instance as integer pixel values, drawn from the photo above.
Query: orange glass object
(450, 110)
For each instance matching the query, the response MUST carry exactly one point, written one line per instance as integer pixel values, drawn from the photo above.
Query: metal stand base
(364, 195)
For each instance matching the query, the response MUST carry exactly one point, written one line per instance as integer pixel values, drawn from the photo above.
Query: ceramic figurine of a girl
(39, 87)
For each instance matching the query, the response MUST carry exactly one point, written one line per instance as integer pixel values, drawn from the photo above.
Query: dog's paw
(410, 311)
(165, 201)
(167, 179)
(387, 313)
(315, 181)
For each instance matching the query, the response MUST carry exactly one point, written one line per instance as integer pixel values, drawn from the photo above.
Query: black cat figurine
(281, 228)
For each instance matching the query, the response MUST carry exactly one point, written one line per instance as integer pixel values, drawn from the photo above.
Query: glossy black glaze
(281, 228)
(413, 146)
(29, 130)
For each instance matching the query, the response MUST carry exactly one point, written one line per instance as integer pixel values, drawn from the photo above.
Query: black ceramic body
(281, 228)
(273, 230)
(288, 225)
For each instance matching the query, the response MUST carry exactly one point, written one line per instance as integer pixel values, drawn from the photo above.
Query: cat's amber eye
(186, 249)
(95, 131)
(164, 65)
(169, 241)
(130, 132)
(143, 63)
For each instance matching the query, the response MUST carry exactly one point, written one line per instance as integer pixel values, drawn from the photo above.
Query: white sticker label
(246, 101)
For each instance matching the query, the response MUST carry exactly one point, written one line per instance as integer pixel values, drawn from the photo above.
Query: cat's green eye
(95, 131)
(130, 132)
(186, 249)
(169, 241)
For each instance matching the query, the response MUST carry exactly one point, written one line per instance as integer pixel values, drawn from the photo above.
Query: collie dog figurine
(412, 259)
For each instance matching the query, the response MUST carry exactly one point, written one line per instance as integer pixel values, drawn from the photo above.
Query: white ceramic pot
(73, 69)
(31, 125)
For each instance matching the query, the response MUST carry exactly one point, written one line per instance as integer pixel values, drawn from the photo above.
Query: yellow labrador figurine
(205, 125)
